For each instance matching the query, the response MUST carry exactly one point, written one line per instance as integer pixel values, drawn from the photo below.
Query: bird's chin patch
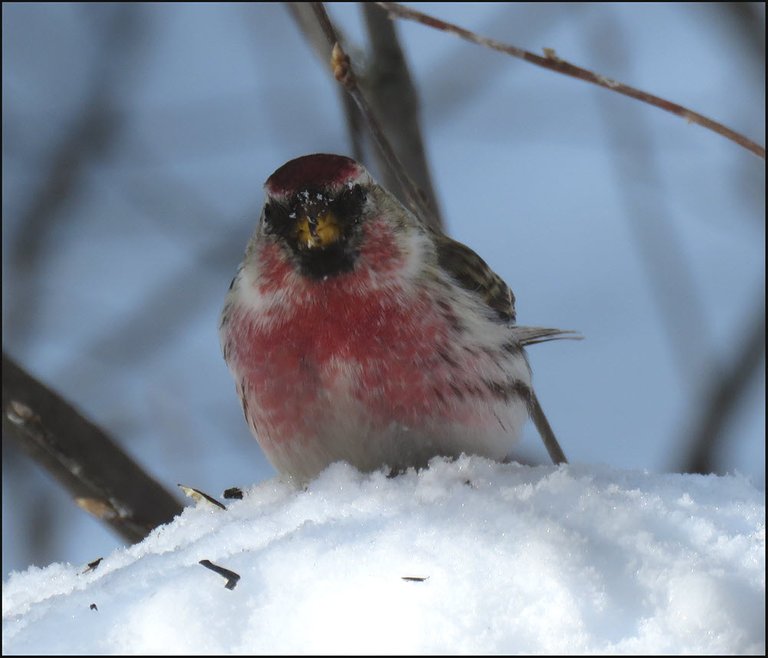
(322, 262)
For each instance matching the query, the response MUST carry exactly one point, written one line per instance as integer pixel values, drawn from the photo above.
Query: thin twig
(552, 62)
(101, 478)
(342, 71)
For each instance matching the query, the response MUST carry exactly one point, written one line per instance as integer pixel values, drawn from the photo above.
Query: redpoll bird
(355, 332)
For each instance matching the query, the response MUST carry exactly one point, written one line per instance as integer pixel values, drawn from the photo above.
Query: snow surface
(515, 559)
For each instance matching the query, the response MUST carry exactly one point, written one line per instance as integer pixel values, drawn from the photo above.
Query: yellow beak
(320, 232)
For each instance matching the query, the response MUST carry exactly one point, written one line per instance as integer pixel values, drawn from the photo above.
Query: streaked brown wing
(474, 274)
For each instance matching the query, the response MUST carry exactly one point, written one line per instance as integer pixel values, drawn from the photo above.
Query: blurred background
(136, 139)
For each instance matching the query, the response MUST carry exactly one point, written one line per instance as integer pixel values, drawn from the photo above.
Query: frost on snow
(467, 556)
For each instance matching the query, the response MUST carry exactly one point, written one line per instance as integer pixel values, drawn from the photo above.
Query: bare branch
(552, 62)
(304, 17)
(394, 99)
(102, 478)
(342, 71)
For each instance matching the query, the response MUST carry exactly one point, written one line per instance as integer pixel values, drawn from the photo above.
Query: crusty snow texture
(514, 559)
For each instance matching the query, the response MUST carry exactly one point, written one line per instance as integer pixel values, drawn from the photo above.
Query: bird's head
(314, 209)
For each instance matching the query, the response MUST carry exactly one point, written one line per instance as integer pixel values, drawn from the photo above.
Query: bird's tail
(533, 335)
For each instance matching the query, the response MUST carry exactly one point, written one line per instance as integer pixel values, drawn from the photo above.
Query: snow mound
(466, 556)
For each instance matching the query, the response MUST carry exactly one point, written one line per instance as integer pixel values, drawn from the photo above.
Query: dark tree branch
(726, 388)
(748, 23)
(552, 62)
(101, 478)
(390, 89)
(304, 17)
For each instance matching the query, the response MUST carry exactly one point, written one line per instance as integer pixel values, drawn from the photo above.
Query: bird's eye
(275, 218)
(350, 202)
